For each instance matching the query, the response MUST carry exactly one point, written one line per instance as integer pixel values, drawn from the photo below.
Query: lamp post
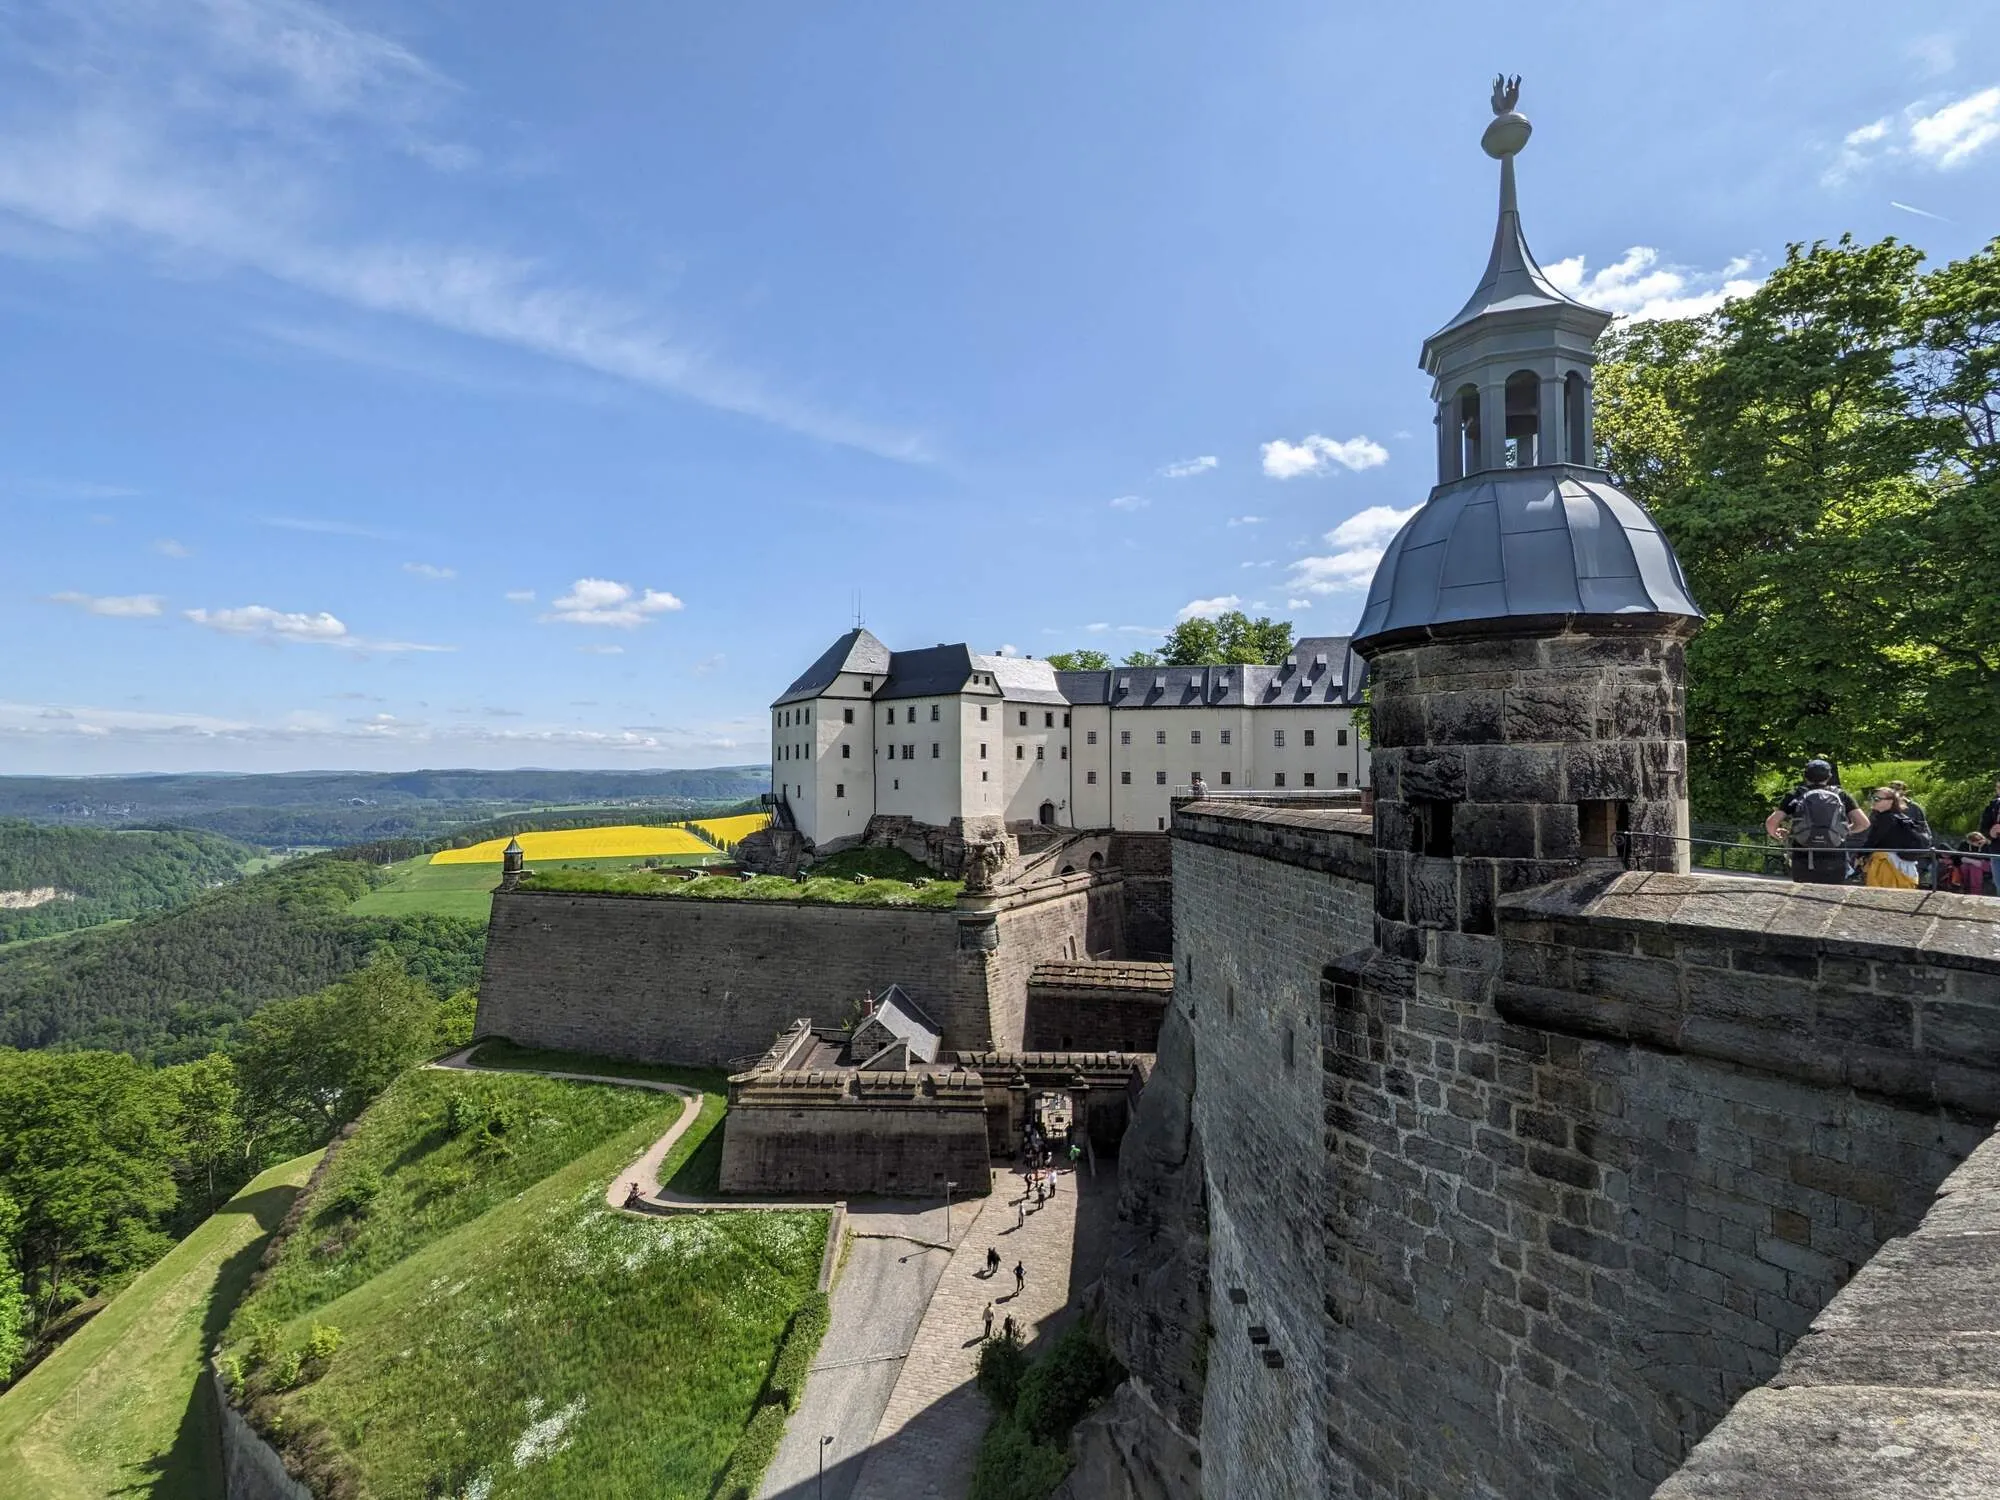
(948, 1186)
(824, 1443)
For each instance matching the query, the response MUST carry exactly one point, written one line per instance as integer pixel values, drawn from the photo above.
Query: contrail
(1922, 213)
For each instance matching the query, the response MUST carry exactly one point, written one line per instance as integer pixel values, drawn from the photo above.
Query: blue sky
(481, 383)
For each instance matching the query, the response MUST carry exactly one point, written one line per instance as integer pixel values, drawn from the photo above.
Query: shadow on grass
(192, 1468)
(701, 1174)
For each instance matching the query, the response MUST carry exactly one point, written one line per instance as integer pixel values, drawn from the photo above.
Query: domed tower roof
(1523, 532)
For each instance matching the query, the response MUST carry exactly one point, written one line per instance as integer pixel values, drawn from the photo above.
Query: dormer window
(867, 684)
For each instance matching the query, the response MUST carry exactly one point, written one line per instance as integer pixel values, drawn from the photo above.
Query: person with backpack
(1892, 835)
(1915, 809)
(1815, 820)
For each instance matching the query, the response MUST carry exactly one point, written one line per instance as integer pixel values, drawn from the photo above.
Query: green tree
(1143, 659)
(1079, 661)
(13, 1294)
(86, 1152)
(312, 1064)
(1232, 638)
(205, 1115)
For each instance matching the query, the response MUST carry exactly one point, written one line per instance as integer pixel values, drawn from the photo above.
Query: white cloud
(708, 666)
(1936, 53)
(166, 546)
(1942, 136)
(600, 601)
(1246, 520)
(1640, 285)
(1298, 604)
(520, 596)
(1922, 213)
(212, 135)
(1312, 454)
(1008, 650)
(429, 570)
(1098, 627)
(1207, 609)
(117, 606)
(328, 528)
(598, 649)
(260, 622)
(1130, 502)
(1359, 542)
(1188, 467)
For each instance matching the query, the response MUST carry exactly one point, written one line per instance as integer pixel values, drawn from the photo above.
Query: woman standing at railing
(1893, 834)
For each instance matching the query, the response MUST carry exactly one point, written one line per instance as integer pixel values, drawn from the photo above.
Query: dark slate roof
(1302, 681)
(899, 1015)
(933, 672)
(857, 651)
(1509, 543)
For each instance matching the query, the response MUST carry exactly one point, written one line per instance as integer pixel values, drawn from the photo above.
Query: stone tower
(1525, 630)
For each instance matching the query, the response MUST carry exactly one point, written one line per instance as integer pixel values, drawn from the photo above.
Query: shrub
(788, 1376)
(1002, 1363)
(321, 1343)
(355, 1196)
(1064, 1384)
(753, 1454)
(1013, 1466)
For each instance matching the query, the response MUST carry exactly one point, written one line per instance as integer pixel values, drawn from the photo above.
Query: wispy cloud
(1246, 520)
(1313, 453)
(1358, 544)
(1922, 213)
(601, 601)
(708, 666)
(211, 133)
(599, 648)
(1942, 136)
(520, 596)
(116, 606)
(166, 546)
(260, 622)
(1639, 284)
(1207, 609)
(1130, 502)
(329, 528)
(429, 570)
(1187, 468)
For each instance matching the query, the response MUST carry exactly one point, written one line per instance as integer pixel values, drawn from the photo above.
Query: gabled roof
(897, 1018)
(857, 651)
(1022, 679)
(931, 673)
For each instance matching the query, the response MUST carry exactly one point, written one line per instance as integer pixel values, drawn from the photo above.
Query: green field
(584, 1351)
(416, 885)
(121, 1408)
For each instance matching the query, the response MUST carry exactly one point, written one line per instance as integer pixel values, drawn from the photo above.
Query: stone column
(1554, 435)
(1493, 424)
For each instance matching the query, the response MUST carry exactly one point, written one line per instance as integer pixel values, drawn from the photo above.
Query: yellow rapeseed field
(733, 830)
(623, 842)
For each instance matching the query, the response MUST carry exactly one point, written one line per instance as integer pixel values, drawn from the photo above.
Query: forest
(65, 878)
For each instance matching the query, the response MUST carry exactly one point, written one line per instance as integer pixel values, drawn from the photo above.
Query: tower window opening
(1524, 420)
(1467, 405)
(1430, 827)
(1576, 396)
(1599, 823)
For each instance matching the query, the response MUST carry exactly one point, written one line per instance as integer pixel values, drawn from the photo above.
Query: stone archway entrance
(1048, 815)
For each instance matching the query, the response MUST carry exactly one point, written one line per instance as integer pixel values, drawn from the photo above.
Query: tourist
(992, 1261)
(987, 1332)
(1893, 834)
(1975, 875)
(1989, 819)
(1052, 1184)
(1916, 810)
(1020, 1213)
(1816, 820)
(1020, 1277)
(1008, 1330)
(1075, 1155)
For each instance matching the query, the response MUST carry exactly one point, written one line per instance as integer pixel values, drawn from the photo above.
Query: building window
(867, 684)
(1225, 778)
(982, 752)
(840, 789)
(895, 786)
(1163, 824)
(1159, 736)
(1049, 720)
(1090, 778)
(1090, 736)
(1063, 752)
(982, 713)
(909, 752)
(1124, 736)
(1065, 721)
(1279, 779)
(1291, 1048)
(934, 749)
(847, 716)
(1278, 738)
(934, 713)
(910, 716)
(1600, 823)
(846, 752)
(1194, 736)
(1225, 736)
(1309, 739)
(1020, 753)
(1124, 778)
(1039, 752)
(1229, 1002)
(1024, 718)
(809, 713)
(982, 775)
(1430, 827)
(1340, 736)
(1159, 778)
(889, 716)
(1312, 778)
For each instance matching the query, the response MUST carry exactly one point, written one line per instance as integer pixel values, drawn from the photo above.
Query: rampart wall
(899, 1133)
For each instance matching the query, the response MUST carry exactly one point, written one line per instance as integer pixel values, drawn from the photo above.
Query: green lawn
(452, 890)
(122, 1408)
(505, 1337)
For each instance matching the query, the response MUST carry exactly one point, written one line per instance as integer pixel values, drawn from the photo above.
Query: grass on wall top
(818, 890)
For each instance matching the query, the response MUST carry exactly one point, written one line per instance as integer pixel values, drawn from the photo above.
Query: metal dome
(1524, 544)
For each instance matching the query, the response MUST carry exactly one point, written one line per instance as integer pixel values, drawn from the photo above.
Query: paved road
(877, 1306)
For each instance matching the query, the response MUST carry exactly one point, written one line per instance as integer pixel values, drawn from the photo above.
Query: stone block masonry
(1090, 1007)
(840, 1132)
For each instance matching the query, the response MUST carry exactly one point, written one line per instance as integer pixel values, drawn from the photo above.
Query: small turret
(511, 859)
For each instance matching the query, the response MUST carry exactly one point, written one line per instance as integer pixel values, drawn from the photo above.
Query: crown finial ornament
(1510, 129)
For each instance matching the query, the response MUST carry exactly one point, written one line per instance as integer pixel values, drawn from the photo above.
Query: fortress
(1484, 1151)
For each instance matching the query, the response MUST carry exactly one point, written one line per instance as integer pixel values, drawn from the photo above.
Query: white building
(946, 733)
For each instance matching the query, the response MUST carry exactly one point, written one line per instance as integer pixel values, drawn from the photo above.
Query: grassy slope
(121, 1407)
(466, 890)
(643, 1342)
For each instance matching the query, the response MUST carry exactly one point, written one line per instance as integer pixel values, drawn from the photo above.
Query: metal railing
(1772, 859)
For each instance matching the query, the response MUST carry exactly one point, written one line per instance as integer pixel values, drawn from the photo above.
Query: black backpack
(1820, 821)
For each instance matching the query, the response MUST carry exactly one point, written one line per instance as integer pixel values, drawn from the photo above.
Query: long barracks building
(945, 733)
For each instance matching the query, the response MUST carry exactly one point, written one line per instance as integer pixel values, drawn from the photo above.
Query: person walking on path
(1020, 1214)
(1052, 1184)
(1815, 820)
(1008, 1331)
(1892, 835)
(987, 1332)
(992, 1262)
(1020, 1278)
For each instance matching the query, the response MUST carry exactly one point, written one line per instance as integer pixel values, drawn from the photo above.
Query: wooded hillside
(57, 879)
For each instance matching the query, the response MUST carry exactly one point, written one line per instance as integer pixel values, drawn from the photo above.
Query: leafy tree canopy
(1079, 661)
(1230, 639)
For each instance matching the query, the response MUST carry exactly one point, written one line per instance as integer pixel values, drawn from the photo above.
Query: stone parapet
(1333, 841)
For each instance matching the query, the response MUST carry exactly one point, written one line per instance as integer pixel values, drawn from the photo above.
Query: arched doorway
(1048, 815)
